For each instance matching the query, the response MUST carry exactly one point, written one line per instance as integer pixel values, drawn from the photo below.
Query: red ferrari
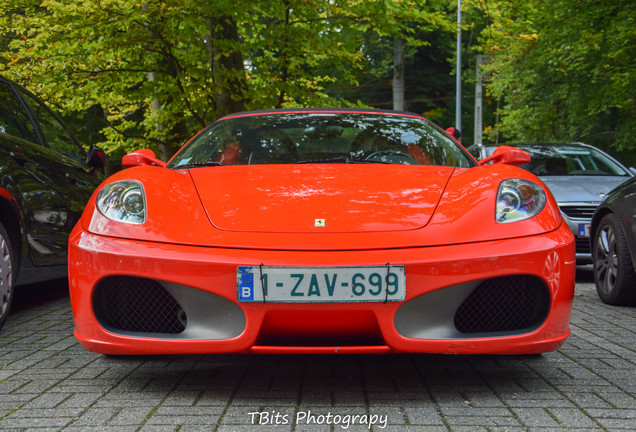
(322, 231)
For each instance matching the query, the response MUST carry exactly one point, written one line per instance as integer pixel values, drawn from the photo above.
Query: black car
(613, 238)
(46, 178)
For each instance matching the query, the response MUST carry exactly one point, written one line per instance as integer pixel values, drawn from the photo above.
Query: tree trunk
(228, 70)
(399, 49)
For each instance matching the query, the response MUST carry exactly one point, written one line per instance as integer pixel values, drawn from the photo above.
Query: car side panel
(622, 202)
(47, 190)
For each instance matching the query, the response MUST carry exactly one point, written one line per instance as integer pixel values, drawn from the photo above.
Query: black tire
(8, 267)
(614, 274)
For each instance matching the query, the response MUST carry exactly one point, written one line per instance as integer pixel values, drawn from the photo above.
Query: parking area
(49, 382)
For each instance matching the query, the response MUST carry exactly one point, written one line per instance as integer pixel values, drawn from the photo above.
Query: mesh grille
(137, 305)
(504, 304)
(582, 245)
(578, 212)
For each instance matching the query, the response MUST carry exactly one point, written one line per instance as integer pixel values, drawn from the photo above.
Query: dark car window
(322, 137)
(13, 118)
(55, 134)
(571, 160)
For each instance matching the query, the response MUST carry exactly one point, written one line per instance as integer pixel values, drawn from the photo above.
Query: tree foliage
(161, 70)
(148, 67)
(155, 72)
(563, 68)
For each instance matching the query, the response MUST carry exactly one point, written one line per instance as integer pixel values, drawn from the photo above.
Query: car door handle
(19, 157)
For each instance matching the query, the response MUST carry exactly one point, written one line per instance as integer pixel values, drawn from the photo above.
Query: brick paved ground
(48, 382)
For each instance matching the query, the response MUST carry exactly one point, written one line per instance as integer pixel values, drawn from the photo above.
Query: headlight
(123, 201)
(518, 199)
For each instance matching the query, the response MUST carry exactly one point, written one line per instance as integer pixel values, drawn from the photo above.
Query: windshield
(564, 160)
(321, 137)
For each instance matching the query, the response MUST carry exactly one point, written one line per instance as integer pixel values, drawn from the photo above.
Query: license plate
(321, 284)
(584, 230)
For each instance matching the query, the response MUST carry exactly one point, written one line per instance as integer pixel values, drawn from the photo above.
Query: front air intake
(508, 303)
(134, 304)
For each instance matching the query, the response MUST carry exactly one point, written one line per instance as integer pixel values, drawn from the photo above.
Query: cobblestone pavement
(48, 382)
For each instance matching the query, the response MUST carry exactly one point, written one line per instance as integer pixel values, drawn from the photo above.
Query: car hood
(320, 198)
(178, 212)
(581, 188)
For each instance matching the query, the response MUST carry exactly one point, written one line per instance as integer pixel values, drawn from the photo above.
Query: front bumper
(112, 280)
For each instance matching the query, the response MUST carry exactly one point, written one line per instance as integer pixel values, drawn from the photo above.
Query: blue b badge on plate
(245, 284)
(584, 230)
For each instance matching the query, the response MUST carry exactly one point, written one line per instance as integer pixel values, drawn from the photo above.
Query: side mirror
(96, 158)
(140, 158)
(508, 155)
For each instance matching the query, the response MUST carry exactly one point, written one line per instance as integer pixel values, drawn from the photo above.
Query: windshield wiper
(319, 161)
(341, 160)
(199, 165)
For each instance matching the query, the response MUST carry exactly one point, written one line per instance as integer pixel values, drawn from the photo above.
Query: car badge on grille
(319, 223)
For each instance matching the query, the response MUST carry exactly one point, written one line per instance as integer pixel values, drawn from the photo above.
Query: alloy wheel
(606, 261)
(6, 275)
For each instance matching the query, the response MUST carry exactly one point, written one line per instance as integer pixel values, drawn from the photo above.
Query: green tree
(153, 69)
(158, 71)
(293, 50)
(563, 68)
(429, 60)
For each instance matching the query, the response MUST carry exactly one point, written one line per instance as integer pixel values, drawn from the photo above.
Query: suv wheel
(7, 274)
(613, 270)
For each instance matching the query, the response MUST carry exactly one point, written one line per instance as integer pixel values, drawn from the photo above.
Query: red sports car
(322, 231)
